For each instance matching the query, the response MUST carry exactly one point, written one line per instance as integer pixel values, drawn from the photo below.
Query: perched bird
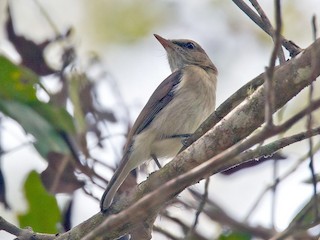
(174, 111)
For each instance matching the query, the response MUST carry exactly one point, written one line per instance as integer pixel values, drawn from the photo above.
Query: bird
(173, 112)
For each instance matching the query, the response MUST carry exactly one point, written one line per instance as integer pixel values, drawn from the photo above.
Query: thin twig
(274, 193)
(45, 14)
(270, 90)
(218, 214)
(204, 199)
(89, 193)
(185, 227)
(310, 141)
(23, 234)
(314, 27)
(274, 35)
(269, 86)
(167, 234)
(289, 45)
(288, 172)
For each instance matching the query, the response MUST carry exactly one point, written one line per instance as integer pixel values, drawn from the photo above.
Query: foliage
(43, 215)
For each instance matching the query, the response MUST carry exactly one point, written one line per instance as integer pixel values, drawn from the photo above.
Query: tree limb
(23, 234)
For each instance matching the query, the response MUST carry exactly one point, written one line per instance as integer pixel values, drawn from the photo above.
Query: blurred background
(114, 46)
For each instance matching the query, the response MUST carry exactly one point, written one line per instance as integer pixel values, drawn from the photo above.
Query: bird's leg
(183, 137)
(154, 157)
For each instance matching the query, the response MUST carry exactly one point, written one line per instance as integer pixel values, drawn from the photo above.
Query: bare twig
(203, 201)
(276, 36)
(218, 214)
(77, 161)
(17, 148)
(303, 221)
(289, 45)
(89, 193)
(274, 193)
(314, 27)
(310, 141)
(165, 233)
(185, 227)
(269, 86)
(45, 14)
(287, 141)
(23, 234)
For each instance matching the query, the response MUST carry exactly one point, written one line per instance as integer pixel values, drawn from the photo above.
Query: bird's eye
(190, 45)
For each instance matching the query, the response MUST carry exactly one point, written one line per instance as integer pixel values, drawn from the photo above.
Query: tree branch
(289, 45)
(216, 213)
(289, 79)
(23, 234)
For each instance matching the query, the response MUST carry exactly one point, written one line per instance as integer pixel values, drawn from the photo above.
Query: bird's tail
(117, 179)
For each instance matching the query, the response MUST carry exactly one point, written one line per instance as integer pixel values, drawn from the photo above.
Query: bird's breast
(193, 102)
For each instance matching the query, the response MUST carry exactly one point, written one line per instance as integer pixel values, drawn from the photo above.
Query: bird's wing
(158, 100)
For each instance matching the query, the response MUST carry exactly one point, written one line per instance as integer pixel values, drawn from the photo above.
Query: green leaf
(57, 117)
(235, 236)
(16, 82)
(43, 214)
(18, 100)
(47, 137)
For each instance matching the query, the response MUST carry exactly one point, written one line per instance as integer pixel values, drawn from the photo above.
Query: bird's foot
(184, 138)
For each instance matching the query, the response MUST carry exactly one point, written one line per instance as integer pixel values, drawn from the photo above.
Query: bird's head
(183, 52)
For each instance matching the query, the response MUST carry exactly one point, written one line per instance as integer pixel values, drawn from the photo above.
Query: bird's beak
(164, 42)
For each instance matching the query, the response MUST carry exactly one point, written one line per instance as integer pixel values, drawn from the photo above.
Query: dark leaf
(32, 54)
(67, 213)
(90, 105)
(3, 190)
(255, 162)
(47, 137)
(235, 236)
(59, 176)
